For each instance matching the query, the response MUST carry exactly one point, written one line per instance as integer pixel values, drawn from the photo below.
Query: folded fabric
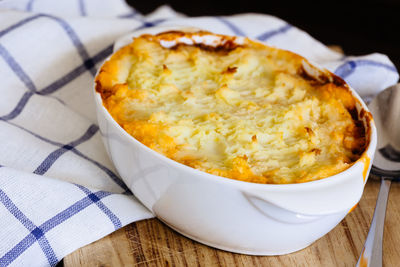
(58, 189)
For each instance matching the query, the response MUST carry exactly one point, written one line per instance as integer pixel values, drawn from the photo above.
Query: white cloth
(58, 189)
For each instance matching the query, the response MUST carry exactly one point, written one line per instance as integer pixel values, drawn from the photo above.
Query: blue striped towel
(58, 189)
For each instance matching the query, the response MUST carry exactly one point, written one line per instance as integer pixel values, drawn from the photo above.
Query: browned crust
(100, 89)
(323, 78)
(361, 118)
(367, 116)
(363, 130)
(229, 70)
(227, 43)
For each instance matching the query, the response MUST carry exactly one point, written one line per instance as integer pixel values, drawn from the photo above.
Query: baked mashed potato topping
(233, 107)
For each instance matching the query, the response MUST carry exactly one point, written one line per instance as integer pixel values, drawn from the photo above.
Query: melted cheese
(243, 111)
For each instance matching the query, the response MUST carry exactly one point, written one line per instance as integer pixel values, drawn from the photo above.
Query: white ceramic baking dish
(250, 218)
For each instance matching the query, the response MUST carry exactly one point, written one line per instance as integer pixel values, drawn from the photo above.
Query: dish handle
(297, 203)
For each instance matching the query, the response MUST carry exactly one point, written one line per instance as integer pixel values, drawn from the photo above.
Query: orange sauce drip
(355, 206)
(363, 260)
(366, 160)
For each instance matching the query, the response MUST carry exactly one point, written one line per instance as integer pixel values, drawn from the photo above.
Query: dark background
(359, 27)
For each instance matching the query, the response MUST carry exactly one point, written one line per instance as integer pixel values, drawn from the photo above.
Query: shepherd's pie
(233, 107)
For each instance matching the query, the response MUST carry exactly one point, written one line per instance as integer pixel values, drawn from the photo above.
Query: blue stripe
(17, 69)
(17, 250)
(88, 62)
(147, 24)
(82, 8)
(231, 26)
(350, 66)
(267, 35)
(19, 107)
(17, 25)
(48, 251)
(50, 159)
(345, 69)
(25, 243)
(35, 135)
(29, 5)
(129, 15)
(111, 174)
(55, 85)
(71, 211)
(75, 72)
(31, 238)
(76, 42)
(113, 218)
(13, 209)
(67, 28)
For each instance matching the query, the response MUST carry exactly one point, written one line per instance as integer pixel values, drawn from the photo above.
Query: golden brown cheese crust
(233, 107)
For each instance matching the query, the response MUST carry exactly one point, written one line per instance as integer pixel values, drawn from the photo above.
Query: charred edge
(360, 132)
(98, 87)
(321, 80)
(367, 116)
(180, 33)
(228, 42)
(338, 81)
(175, 33)
(103, 92)
(362, 113)
(309, 130)
(230, 70)
(353, 112)
(357, 151)
(227, 47)
(317, 151)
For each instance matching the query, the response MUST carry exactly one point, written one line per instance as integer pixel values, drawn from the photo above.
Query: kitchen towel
(58, 189)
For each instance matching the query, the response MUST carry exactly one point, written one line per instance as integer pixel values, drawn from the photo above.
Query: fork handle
(371, 254)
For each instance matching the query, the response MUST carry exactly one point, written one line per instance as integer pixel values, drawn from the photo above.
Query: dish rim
(333, 179)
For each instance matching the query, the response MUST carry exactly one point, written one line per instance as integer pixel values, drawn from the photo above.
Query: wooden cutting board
(151, 243)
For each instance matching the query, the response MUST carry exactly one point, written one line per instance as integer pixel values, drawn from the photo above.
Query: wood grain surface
(151, 243)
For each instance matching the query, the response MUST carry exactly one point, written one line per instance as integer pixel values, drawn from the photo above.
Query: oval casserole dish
(233, 107)
(260, 214)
